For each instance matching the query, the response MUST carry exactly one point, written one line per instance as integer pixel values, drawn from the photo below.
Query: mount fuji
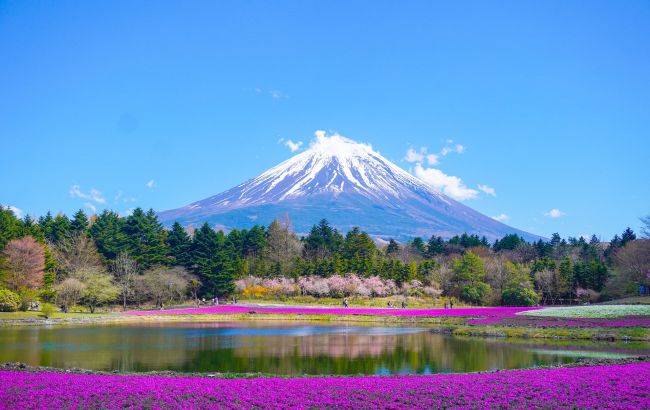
(349, 184)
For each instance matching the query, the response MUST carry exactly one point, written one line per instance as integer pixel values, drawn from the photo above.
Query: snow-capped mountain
(349, 184)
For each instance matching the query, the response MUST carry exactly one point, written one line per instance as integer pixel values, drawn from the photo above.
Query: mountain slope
(350, 185)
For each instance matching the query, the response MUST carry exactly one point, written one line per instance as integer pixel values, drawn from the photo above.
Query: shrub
(474, 293)
(47, 309)
(9, 301)
(255, 291)
(520, 297)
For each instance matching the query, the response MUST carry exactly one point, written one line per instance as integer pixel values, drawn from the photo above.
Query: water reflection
(285, 349)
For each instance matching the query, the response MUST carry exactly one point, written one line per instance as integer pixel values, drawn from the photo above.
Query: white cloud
(18, 213)
(501, 217)
(151, 184)
(94, 195)
(449, 185)
(121, 198)
(413, 155)
(554, 213)
(432, 159)
(90, 206)
(277, 94)
(293, 146)
(487, 189)
(449, 148)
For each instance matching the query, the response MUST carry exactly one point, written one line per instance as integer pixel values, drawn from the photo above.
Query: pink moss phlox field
(617, 386)
(237, 309)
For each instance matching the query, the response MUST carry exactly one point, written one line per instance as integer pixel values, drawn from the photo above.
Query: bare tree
(167, 284)
(283, 245)
(546, 281)
(68, 292)
(633, 261)
(125, 270)
(645, 228)
(76, 252)
(24, 264)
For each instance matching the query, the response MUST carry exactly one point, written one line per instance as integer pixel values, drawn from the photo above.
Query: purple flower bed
(617, 386)
(234, 309)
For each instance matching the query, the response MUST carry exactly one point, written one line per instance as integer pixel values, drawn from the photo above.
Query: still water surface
(285, 349)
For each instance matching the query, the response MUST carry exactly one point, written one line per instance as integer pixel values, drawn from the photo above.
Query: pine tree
(108, 235)
(179, 244)
(146, 238)
(9, 226)
(79, 222)
(392, 250)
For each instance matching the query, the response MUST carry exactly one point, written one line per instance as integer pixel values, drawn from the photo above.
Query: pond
(283, 348)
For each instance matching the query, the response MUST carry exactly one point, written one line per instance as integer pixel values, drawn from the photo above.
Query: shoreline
(26, 368)
(451, 325)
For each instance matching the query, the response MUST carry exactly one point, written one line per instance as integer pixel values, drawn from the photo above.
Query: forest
(108, 259)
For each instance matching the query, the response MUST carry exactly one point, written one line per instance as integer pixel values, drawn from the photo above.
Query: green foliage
(474, 292)
(47, 310)
(9, 301)
(520, 296)
(79, 222)
(179, 244)
(509, 242)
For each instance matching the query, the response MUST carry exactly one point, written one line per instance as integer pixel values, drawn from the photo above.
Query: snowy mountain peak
(348, 183)
(333, 164)
(338, 146)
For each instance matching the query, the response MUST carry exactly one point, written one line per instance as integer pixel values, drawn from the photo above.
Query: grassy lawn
(592, 311)
(635, 300)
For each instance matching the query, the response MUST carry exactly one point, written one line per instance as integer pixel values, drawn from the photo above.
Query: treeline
(106, 258)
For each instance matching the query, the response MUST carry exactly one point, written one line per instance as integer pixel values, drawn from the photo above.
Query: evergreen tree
(108, 234)
(323, 241)
(205, 247)
(628, 235)
(179, 245)
(146, 238)
(79, 222)
(9, 226)
(60, 228)
(392, 250)
(435, 246)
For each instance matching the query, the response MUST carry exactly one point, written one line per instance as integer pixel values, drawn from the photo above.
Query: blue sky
(158, 104)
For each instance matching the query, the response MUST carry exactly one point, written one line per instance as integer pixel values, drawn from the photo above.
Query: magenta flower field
(618, 386)
(237, 309)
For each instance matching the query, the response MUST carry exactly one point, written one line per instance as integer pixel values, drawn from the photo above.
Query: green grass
(592, 311)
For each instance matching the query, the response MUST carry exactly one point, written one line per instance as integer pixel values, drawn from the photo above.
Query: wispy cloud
(151, 184)
(501, 217)
(277, 94)
(450, 147)
(293, 146)
(120, 198)
(274, 93)
(487, 189)
(93, 195)
(90, 206)
(449, 185)
(420, 155)
(554, 213)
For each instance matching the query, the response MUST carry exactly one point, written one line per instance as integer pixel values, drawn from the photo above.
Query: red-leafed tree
(23, 265)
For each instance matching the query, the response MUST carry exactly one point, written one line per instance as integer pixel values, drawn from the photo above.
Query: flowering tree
(24, 264)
